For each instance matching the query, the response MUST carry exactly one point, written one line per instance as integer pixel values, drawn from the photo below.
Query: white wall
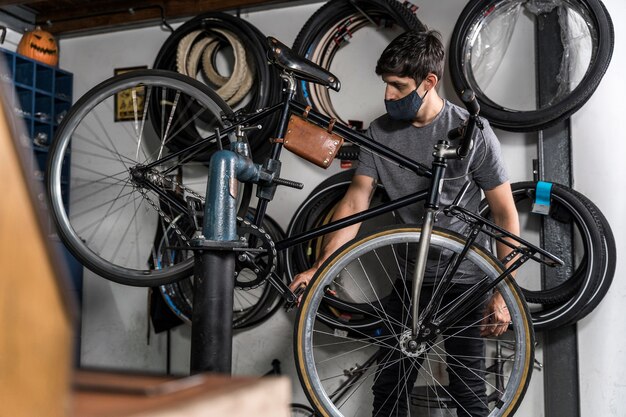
(115, 320)
(598, 149)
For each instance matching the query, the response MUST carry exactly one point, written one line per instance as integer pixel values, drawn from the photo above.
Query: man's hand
(497, 317)
(302, 280)
(357, 199)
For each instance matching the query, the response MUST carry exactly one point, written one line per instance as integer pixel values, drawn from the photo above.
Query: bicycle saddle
(281, 55)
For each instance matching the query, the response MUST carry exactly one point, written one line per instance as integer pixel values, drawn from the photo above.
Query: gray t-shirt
(483, 166)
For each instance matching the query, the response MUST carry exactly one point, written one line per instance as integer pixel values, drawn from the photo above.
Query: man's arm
(356, 199)
(504, 213)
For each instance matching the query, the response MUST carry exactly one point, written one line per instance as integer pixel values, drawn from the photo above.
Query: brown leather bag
(310, 141)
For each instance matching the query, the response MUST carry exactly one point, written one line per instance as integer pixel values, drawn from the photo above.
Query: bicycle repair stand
(215, 250)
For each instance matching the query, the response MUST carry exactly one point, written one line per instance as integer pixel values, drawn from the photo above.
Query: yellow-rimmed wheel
(450, 366)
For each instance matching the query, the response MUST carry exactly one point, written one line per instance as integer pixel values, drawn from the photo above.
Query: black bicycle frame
(289, 105)
(430, 195)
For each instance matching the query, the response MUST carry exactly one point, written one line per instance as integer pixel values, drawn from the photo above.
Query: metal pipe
(212, 331)
(420, 266)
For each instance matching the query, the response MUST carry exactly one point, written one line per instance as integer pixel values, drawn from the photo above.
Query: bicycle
(150, 179)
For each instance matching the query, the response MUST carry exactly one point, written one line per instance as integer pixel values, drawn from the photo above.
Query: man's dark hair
(413, 54)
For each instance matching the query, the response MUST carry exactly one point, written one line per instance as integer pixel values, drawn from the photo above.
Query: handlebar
(466, 131)
(471, 104)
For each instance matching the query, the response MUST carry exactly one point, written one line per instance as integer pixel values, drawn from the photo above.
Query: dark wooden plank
(80, 16)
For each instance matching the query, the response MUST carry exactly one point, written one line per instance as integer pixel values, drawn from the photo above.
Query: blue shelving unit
(41, 96)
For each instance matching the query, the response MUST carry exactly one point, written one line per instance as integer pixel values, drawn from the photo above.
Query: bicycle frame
(523, 251)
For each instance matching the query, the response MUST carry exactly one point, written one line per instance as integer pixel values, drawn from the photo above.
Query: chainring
(254, 266)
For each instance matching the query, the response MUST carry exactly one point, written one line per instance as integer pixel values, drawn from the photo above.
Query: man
(417, 117)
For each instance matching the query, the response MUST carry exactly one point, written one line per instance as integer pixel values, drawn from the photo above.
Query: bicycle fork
(420, 268)
(431, 206)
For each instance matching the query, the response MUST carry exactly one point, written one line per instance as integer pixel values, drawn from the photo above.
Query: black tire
(561, 212)
(608, 268)
(266, 90)
(315, 211)
(465, 31)
(561, 304)
(296, 256)
(326, 20)
(301, 410)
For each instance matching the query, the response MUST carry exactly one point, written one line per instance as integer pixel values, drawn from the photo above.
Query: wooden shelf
(110, 394)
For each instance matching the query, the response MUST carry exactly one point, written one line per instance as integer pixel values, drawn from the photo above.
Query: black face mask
(405, 108)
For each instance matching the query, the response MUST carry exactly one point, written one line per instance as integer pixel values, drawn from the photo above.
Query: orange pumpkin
(40, 46)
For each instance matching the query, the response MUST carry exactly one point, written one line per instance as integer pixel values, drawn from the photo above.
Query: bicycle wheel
(116, 204)
(337, 368)
(492, 34)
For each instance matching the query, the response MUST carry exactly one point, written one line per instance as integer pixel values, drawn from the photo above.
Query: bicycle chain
(163, 215)
(268, 243)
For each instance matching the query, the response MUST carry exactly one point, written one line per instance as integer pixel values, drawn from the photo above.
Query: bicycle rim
(108, 221)
(326, 357)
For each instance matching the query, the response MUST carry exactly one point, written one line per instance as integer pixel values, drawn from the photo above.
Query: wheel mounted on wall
(586, 278)
(483, 34)
(193, 49)
(329, 29)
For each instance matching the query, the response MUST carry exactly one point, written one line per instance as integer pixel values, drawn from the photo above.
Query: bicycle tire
(329, 18)
(266, 88)
(301, 410)
(608, 267)
(476, 15)
(316, 347)
(109, 228)
(296, 256)
(562, 304)
(565, 209)
(315, 211)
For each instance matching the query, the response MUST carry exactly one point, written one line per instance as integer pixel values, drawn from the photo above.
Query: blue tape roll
(541, 204)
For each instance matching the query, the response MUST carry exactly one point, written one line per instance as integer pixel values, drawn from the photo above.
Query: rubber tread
(523, 121)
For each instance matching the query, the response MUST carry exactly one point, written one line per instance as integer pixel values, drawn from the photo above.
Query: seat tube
(273, 162)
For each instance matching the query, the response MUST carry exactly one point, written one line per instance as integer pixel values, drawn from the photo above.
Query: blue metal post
(211, 334)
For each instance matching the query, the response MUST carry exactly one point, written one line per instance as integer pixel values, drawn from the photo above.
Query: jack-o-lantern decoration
(40, 46)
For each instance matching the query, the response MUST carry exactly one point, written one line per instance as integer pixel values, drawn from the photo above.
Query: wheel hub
(411, 347)
(137, 175)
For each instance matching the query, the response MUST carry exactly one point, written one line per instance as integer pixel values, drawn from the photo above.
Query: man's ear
(431, 81)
